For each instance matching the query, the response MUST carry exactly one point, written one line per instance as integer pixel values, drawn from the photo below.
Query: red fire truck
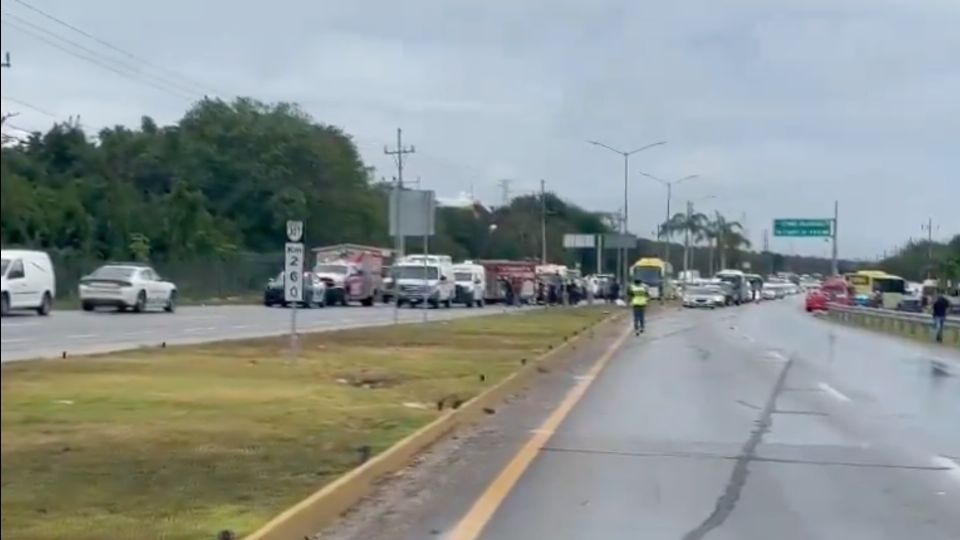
(352, 272)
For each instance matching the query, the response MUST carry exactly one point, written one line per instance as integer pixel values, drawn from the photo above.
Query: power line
(197, 86)
(29, 106)
(131, 71)
(95, 61)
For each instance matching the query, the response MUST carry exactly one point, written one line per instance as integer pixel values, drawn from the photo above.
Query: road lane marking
(774, 355)
(199, 329)
(472, 524)
(838, 395)
(951, 466)
(13, 340)
(83, 336)
(240, 326)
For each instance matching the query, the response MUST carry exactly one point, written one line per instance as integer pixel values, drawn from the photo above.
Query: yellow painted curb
(319, 510)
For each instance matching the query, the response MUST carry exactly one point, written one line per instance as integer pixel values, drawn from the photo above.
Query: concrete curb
(320, 509)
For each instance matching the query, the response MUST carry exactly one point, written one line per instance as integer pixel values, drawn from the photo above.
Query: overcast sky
(780, 106)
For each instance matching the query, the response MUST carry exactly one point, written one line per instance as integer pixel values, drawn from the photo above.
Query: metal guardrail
(916, 325)
(925, 318)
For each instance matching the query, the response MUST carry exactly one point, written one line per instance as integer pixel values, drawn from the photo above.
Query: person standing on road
(639, 296)
(940, 308)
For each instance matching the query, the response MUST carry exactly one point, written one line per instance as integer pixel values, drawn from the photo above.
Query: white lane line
(240, 326)
(952, 467)
(18, 324)
(775, 356)
(838, 395)
(13, 340)
(749, 339)
(83, 336)
(199, 329)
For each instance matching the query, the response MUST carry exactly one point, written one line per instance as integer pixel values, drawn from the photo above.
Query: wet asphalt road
(759, 422)
(29, 336)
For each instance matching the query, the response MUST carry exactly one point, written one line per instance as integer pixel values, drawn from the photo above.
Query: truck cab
(351, 273)
(424, 279)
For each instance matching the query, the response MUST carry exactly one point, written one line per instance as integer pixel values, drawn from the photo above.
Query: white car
(704, 296)
(127, 286)
(768, 293)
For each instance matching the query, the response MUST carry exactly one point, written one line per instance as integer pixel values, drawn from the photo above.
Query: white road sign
(294, 230)
(293, 272)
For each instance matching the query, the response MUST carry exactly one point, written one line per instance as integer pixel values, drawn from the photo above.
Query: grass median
(183, 442)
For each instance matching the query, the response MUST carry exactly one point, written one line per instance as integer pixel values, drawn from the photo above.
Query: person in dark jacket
(940, 308)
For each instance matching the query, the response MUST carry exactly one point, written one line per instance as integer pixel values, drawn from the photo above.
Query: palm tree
(692, 225)
(725, 235)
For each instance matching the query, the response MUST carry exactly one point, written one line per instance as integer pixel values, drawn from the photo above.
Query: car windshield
(648, 275)
(733, 280)
(416, 272)
(330, 269)
(4, 264)
(463, 276)
(889, 285)
(113, 272)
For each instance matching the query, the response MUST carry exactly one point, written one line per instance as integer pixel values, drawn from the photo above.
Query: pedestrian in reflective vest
(638, 302)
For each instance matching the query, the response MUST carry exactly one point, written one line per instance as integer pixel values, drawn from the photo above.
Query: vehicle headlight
(718, 299)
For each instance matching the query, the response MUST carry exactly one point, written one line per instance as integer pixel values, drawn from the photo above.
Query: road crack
(738, 478)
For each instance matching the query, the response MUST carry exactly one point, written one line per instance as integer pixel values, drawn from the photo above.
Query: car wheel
(367, 302)
(46, 305)
(5, 305)
(447, 304)
(87, 306)
(141, 302)
(171, 302)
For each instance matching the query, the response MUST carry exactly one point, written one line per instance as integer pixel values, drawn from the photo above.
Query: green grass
(184, 442)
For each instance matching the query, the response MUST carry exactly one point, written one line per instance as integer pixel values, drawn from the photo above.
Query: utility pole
(5, 117)
(834, 268)
(505, 191)
(666, 232)
(929, 228)
(686, 240)
(543, 222)
(399, 152)
(766, 249)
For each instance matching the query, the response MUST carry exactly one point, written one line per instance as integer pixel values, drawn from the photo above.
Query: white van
(742, 290)
(471, 283)
(422, 278)
(27, 282)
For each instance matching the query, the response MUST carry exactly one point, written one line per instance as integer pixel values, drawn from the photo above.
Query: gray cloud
(782, 107)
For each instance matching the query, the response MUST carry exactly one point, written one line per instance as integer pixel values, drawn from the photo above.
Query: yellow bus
(656, 274)
(868, 282)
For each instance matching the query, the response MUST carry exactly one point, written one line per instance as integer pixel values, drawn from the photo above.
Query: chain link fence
(199, 278)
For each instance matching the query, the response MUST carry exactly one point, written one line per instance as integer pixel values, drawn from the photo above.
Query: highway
(753, 423)
(76, 332)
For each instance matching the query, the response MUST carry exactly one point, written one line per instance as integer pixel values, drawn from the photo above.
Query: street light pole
(626, 192)
(669, 184)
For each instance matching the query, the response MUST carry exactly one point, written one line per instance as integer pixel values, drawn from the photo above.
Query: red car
(816, 300)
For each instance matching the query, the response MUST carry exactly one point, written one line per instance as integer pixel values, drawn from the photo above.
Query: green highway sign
(803, 227)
